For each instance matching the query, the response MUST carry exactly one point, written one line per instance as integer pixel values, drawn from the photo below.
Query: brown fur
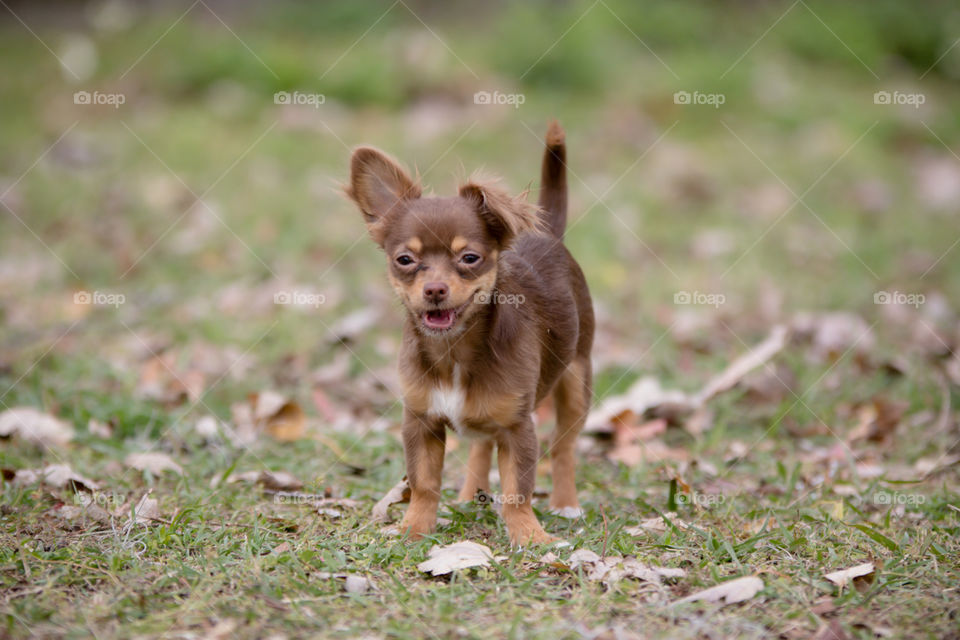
(522, 328)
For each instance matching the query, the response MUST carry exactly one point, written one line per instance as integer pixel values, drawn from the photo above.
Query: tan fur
(572, 399)
(459, 244)
(478, 470)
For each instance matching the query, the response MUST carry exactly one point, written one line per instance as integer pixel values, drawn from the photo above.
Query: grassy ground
(199, 198)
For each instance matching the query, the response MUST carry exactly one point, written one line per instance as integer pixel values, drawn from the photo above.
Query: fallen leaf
(272, 480)
(147, 510)
(154, 462)
(270, 412)
(833, 334)
(878, 420)
(400, 492)
(353, 324)
(833, 630)
(643, 395)
(729, 592)
(99, 429)
(59, 476)
(36, 426)
(453, 557)
(646, 396)
(844, 576)
(612, 569)
(657, 524)
(357, 584)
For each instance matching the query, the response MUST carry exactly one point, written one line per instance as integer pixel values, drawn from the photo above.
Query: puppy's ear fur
(506, 216)
(378, 184)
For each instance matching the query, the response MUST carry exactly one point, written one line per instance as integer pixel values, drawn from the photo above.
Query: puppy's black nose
(435, 292)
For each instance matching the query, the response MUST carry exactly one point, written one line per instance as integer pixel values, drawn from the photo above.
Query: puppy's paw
(524, 536)
(416, 528)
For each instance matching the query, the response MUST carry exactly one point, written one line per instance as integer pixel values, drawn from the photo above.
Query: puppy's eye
(470, 258)
(404, 260)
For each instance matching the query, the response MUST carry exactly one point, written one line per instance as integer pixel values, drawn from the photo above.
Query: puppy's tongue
(439, 319)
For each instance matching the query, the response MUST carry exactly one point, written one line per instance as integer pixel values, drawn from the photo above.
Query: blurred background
(173, 237)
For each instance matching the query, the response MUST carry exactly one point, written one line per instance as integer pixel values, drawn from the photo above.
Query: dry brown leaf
(400, 492)
(59, 476)
(612, 569)
(147, 510)
(99, 429)
(353, 324)
(36, 426)
(832, 630)
(161, 381)
(833, 334)
(844, 576)
(878, 420)
(644, 395)
(357, 584)
(272, 480)
(657, 524)
(154, 462)
(647, 397)
(453, 557)
(729, 592)
(270, 412)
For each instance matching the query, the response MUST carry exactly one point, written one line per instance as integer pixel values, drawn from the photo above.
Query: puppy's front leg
(423, 446)
(517, 459)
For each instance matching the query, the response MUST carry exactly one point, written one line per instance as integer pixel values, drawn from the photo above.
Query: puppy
(498, 316)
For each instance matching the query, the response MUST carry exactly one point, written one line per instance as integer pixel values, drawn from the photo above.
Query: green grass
(104, 209)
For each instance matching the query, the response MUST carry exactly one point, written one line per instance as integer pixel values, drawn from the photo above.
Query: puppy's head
(442, 253)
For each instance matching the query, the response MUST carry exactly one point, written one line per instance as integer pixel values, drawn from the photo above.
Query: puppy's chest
(469, 409)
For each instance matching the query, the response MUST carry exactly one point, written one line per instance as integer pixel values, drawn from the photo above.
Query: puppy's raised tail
(553, 180)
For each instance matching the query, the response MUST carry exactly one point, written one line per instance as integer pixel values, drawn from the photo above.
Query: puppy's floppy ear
(378, 185)
(506, 216)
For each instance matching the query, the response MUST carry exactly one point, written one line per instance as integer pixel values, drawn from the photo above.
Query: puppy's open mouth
(442, 319)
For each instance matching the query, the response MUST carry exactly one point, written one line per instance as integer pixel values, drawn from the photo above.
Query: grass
(111, 207)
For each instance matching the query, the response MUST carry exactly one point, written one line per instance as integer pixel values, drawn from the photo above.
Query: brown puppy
(498, 316)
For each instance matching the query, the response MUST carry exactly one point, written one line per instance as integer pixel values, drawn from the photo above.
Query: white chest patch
(447, 402)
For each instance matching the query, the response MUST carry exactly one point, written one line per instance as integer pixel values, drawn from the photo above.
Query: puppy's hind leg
(478, 470)
(572, 399)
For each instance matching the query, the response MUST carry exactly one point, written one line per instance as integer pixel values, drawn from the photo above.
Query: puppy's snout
(435, 292)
